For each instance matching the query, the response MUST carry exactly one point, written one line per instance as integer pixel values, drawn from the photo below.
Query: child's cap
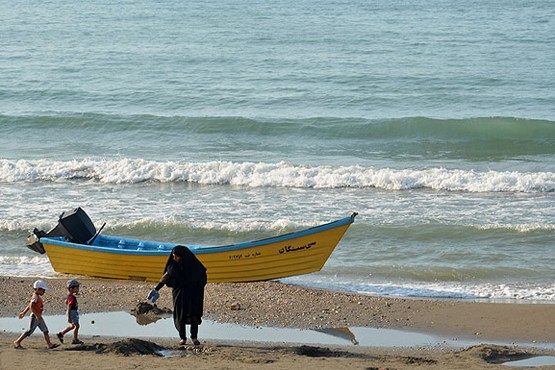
(73, 284)
(40, 284)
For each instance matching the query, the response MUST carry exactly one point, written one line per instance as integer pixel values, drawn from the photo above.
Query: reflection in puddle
(344, 333)
(123, 324)
(170, 353)
(533, 361)
(146, 314)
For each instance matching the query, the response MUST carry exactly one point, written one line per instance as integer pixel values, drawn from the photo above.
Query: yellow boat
(74, 246)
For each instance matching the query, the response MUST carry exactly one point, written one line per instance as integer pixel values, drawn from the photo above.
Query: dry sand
(272, 304)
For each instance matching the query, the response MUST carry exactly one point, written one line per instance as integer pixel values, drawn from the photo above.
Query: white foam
(521, 228)
(448, 290)
(131, 171)
(25, 266)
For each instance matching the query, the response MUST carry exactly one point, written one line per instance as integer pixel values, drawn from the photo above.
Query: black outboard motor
(75, 226)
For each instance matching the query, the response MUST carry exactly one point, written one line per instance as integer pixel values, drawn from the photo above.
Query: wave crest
(480, 128)
(250, 174)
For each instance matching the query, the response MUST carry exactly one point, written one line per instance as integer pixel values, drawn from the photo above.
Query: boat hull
(278, 257)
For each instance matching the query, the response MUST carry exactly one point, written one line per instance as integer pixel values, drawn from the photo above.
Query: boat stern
(75, 226)
(33, 241)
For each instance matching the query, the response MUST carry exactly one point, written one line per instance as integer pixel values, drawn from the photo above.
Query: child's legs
(74, 324)
(74, 314)
(21, 337)
(47, 338)
(76, 331)
(69, 328)
(42, 326)
(32, 326)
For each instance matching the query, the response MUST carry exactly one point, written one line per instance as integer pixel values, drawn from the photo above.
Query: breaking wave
(250, 174)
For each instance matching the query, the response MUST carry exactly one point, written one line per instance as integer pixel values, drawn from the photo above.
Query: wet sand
(273, 304)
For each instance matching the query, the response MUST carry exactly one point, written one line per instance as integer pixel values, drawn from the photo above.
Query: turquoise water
(211, 123)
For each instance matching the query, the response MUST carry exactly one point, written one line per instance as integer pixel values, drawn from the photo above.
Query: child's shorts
(36, 323)
(74, 316)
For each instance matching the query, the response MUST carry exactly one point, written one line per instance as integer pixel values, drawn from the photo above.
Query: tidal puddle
(533, 361)
(123, 324)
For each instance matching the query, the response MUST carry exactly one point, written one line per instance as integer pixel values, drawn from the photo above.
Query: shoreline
(277, 305)
(274, 304)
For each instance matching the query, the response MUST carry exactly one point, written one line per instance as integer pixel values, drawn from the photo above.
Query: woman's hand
(153, 295)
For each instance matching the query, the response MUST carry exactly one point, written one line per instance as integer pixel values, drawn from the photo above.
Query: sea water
(206, 122)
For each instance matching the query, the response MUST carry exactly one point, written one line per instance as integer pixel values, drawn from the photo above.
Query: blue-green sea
(210, 122)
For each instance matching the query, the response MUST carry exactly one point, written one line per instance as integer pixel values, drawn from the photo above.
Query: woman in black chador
(186, 275)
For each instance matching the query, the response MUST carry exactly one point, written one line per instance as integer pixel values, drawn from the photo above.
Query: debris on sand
(126, 347)
(311, 351)
(495, 354)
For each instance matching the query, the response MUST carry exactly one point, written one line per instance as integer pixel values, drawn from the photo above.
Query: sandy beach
(271, 304)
